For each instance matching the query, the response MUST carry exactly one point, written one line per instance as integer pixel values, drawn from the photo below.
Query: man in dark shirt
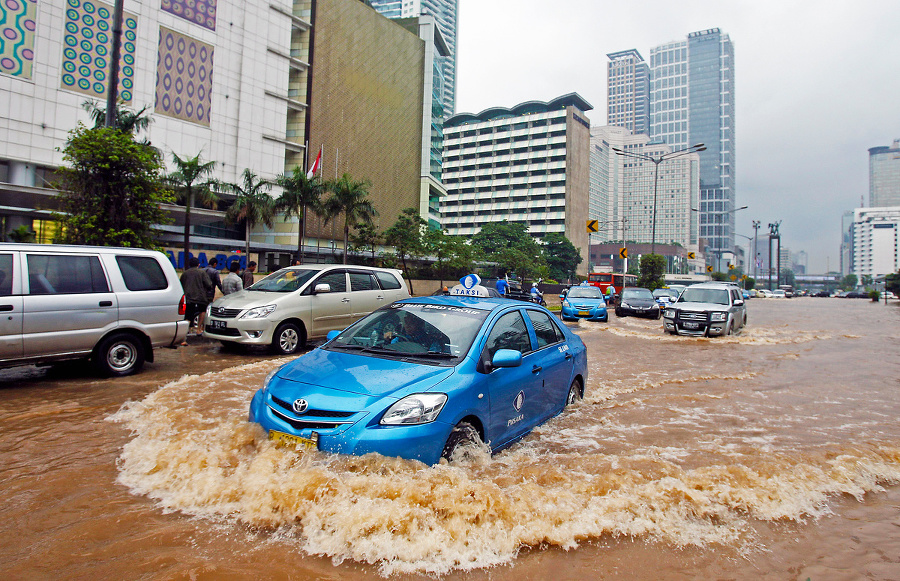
(247, 275)
(213, 271)
(197, 287)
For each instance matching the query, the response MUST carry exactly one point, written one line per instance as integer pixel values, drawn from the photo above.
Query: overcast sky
(818, 83)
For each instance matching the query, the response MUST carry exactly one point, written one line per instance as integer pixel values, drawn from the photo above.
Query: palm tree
(300, 193)
(252, 205)
(189, 179)
(348, 197)
(127, 121)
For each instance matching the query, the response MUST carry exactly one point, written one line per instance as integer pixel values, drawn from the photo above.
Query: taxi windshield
(285, 280)
(585, 292)
(432, 332)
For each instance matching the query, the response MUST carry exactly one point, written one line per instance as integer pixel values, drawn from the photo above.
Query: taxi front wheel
(463, 435)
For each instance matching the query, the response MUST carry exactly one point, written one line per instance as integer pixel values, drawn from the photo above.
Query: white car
(778, 294)
(764, 293)
(302, 302)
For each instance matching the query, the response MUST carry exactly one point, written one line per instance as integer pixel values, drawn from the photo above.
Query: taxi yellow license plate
(583, 313)
(292, 440)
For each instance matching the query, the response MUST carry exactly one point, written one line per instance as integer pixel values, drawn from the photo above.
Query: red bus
(605, 279)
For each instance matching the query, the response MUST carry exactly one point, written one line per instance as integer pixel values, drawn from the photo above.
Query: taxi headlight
(259, 312)
(565, 303)
(718, 316)
(418, 408)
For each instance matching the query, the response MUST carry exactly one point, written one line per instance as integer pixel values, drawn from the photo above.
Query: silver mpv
(112, 305)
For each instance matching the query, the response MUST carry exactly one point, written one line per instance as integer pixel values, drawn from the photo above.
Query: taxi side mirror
(332, 334)
(507, 358)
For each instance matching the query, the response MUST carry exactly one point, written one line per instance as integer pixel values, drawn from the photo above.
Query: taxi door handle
(568, 356)
(536, 369)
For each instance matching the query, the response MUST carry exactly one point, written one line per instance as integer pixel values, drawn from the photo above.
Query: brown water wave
(586, 475)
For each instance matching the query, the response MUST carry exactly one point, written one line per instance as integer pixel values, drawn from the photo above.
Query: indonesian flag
(315, 166)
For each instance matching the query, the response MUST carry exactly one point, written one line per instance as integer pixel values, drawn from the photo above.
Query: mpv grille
(223, 313)
(689, 316)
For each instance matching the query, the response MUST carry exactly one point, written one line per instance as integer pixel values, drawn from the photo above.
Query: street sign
(733, 277)
(692, 255)
(730, 266)
(623, 253)
(592, 226)
(708, 269)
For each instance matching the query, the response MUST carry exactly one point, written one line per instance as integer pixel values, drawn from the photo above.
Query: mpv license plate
(213, 324)
(292, 440)
(691, 325)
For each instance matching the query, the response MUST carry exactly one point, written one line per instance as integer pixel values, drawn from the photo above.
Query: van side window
(6, 269)
(388, 280)
(142, 273)
(362, 281)
(337, 281)
(65, 274)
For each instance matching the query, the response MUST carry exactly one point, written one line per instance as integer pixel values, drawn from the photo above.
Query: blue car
(421, 377)
(584, 302)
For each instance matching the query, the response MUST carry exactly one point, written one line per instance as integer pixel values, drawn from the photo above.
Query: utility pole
(756, 225)
(112, 90)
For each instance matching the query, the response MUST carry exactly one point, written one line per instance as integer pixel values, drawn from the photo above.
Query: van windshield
(285, 280)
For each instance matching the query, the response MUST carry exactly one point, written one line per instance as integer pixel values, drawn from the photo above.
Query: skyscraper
(446, 13)
(884, 175)
(692, 101)
(628, 97)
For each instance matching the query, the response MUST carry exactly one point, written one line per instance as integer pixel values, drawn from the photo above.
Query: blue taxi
(421, 377)
(584, 302)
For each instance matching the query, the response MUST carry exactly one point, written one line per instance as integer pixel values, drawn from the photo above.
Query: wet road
(771, 455)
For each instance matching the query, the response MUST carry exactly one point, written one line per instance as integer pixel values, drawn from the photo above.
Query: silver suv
(708, 309)
(301, 302)
(113, 305)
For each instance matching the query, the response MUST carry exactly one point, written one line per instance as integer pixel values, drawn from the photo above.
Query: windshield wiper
(438, 354)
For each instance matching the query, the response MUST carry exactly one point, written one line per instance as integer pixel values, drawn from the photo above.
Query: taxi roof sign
(469, 286)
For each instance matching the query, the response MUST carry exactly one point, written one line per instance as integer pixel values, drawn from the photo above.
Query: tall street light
(720, 213)
(658, 159)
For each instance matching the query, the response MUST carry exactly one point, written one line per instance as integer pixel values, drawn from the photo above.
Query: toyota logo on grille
(300, 405)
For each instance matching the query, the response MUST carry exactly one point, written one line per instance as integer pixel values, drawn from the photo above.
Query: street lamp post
(756, 224)
(656, 161)
(721, 213)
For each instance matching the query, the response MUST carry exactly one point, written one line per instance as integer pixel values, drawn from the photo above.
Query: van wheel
(575, 392)
(119, 355)
(288, 338)
(464, 434)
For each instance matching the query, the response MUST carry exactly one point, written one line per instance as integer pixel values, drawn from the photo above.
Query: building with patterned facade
(692, 101)
(625, 196)
(253, 84)
(529, 164)
(628, 93)
(884, 175)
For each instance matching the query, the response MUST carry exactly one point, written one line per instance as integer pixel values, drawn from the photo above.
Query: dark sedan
(637, 301)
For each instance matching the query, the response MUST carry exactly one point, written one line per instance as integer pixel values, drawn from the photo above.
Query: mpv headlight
(258, 312)
(419, 408)
(718, 316)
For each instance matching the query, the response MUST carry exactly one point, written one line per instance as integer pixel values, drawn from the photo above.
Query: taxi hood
(361, 374)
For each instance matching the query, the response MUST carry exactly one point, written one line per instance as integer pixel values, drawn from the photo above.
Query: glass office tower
(692, 101)
(628, 97)
(446, 13)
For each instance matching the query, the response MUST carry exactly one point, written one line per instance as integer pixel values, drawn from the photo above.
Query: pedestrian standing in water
(197, 286)
(232, 282)
(247, 275)
(213, 271)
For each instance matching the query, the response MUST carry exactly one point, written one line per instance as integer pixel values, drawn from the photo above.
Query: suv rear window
(142, 273)
(388, 281)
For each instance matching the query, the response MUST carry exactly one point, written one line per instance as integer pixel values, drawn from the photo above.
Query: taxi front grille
(303, 424)
(312, 412)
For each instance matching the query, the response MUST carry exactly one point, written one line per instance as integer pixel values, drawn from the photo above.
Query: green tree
(866, 280)
(22, 234)
(112, 190)
(191, 180)
(127, 121)
(653, 271)
(252, 204)
(348, 198)
(892, 283)
(787, 277)
(405, 235)
(719, 276)
(749, 283)
(511, 246)
(300, 195)
(561, 256)
(848, 283)
(365, 238)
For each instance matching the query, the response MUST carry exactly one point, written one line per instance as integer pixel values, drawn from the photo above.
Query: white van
(302, 302)
(112, 305)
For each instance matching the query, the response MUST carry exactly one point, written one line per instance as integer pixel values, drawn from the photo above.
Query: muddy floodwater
(774, 454)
